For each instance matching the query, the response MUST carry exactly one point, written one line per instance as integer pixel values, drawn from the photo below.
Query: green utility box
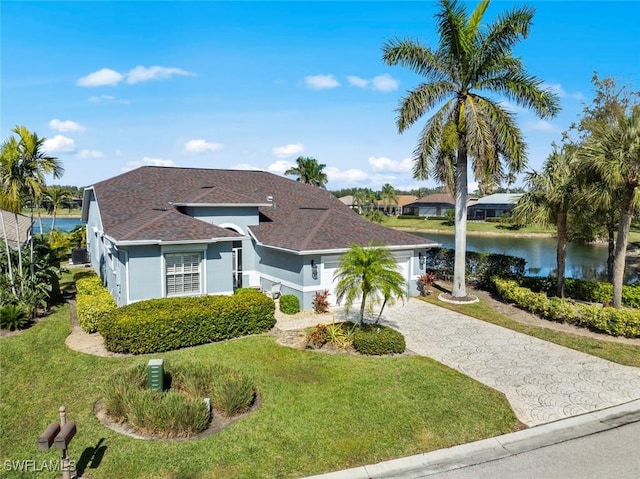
(155, 375)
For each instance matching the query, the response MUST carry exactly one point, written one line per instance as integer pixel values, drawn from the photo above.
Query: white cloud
(386, 164)
(201, 146)
(472, 187)
(280, 166)
(320, 82)
(65, 126)
(562, 93)
(89, 154)
(146, 161)
(142, 74)
(384, 82)
(541, 125)
(118, 152)
(107, 98)
(106, 76)
(357, 81)
(59, 144)
(352, 175)
(287, 151)
(245, 166)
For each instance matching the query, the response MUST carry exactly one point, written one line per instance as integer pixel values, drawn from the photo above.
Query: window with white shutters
(182, 273)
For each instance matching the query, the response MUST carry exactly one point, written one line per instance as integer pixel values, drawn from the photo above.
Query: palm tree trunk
(459, 289)
(362, 309)
(19, 250)
(621, 245)
(6, 244)
(611, 244)
(561, 251)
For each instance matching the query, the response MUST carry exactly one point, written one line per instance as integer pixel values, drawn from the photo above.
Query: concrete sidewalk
(479, 452)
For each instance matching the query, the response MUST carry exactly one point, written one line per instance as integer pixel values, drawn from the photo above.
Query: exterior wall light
(421, 260)
(314, 270)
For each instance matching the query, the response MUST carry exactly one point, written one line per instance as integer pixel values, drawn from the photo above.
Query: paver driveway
(543, 382)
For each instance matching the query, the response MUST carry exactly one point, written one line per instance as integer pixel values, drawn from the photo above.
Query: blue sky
(116, 85)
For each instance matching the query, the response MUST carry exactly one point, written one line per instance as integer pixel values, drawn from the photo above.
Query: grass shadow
(91, 457)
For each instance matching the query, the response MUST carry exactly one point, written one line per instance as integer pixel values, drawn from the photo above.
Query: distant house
(15, 236)
(155, 232)
(493, 206)
(348, 200)
(397, 208)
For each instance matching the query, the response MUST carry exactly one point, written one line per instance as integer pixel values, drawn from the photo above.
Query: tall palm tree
(473, 59)
(388, 196)
(56, 196)
(613, 150)
(23, 171)
(368, 273)
(308, 170)
(551, 194)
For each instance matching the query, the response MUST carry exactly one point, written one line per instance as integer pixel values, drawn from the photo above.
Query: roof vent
(270, 200)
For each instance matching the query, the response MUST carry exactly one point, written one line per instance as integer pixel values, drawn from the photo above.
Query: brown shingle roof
(138, 206)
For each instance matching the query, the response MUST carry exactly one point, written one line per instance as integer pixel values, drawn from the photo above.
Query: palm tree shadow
(91, 457)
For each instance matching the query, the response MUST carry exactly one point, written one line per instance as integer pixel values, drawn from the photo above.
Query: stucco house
(492, 206)
(156, 231)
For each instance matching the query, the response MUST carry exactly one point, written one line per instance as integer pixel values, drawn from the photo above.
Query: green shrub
(165, 324)
(93, 301)
(616, 322)
(408, 217)
(289, 304)
(13, 316)
(341, 335)
(584, 290)
(377, 339)
(246, 291)
(179, 411)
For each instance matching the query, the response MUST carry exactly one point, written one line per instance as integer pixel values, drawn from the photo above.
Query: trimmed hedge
(376, 339)
(165, 324)
(616, 322)
(93, 301)
(480, 267)
(584, 290)
(289, 304)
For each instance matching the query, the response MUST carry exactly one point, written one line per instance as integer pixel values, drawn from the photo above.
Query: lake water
(62, 224)
(583, 261)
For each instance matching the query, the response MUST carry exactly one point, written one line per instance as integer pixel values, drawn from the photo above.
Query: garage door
(330, 265)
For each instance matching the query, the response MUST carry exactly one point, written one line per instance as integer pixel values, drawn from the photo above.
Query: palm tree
(368, 273)
(308, 170)
(24, 166)
(56, 196)
(613, 150)
(551, 194)
(470, 63)
(388, 196)
(364, 198)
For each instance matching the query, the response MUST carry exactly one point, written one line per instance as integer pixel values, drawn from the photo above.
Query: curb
(486, 450)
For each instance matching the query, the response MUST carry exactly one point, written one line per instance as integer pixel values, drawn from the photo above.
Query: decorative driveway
(543, 382)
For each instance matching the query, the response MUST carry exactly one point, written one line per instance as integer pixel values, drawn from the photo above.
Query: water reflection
(583, 261)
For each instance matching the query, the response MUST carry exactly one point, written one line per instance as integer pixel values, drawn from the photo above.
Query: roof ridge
(314, 230)
(226, 190)
(148, 222)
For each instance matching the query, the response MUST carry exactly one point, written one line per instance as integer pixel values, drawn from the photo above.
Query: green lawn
(472, 226)
(482, 227)
(319, 412)
(626, 354)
